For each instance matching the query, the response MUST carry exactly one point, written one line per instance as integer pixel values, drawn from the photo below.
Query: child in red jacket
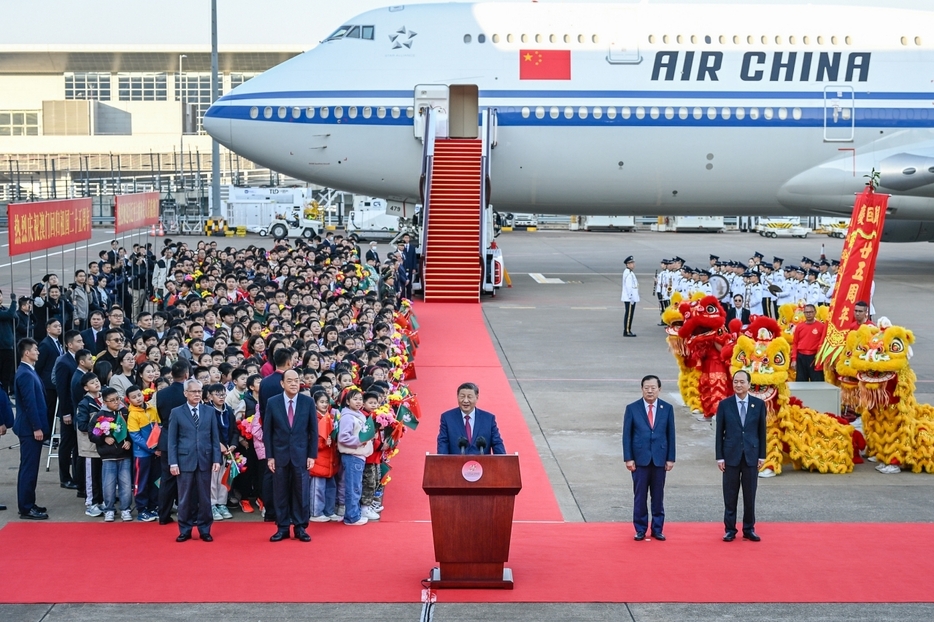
(323, 480)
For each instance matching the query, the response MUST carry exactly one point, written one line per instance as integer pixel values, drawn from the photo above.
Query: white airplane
(615, 109)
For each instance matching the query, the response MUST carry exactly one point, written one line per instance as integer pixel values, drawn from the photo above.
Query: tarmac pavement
(572, 374)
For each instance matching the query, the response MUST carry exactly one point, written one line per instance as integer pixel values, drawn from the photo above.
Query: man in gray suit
(194, 453)
(740, 450)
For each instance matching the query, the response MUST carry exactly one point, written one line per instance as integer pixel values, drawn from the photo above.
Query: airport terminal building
(104, 119)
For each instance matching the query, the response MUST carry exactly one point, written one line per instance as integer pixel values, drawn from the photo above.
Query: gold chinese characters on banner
(135, 211)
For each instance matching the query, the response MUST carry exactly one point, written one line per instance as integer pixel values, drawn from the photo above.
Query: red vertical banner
(857, 267)
(41, 225)
(135, 211)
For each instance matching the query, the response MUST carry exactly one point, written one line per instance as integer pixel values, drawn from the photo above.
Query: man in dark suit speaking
(649, 452)
(194, 453)
(290, 434)
(467, 429)
(740, 450)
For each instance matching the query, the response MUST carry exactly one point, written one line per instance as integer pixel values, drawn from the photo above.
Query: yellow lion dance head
(765, 357)
(879, 358)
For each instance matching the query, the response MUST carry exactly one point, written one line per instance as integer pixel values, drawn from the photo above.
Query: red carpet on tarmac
(552, 561)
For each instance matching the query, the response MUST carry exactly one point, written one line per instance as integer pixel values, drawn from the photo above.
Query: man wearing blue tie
(740, 450)
(649, 452)
(467, 429)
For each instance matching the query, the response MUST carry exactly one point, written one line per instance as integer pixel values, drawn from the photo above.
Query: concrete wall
(19, 92)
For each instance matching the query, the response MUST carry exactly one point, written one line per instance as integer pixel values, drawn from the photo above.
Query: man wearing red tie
(649, 452)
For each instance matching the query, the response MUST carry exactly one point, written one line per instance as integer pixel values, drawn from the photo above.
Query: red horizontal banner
(135, 211)
(544, 64)
(41, 225)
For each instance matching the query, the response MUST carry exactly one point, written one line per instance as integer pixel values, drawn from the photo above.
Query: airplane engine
(906, 171)
(908, 231)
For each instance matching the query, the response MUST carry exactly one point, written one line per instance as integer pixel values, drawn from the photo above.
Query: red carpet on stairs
(552, 561)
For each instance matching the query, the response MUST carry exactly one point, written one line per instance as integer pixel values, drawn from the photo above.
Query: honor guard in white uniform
(787, 295)
(824, 279)
(753, 295)
(703, 282)
(630, 295)
(674, 272)
(768, 298)
(660, 279)
(815, 295)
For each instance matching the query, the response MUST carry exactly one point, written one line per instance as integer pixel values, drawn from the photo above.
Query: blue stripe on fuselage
(512, 116)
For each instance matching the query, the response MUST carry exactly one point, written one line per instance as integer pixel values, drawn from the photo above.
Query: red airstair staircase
(452, 260)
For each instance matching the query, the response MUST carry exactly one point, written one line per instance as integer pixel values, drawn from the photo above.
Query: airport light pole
(181, 144)
(215, 147)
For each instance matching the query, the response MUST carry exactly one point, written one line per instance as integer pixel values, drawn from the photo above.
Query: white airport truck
(278, 212)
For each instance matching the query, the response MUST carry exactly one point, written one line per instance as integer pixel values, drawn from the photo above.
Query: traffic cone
(161, 233)
(152, 230)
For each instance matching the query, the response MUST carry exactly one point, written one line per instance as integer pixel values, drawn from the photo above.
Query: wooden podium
(472, 500)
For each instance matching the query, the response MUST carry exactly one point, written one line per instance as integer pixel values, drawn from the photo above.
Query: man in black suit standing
(31, 427)
(49, 350)
(740, 451)
(372, 253)
(167, 400)
(290, 434)
(194, 453)
(409, 262)
(93, 333)
(62, 373)
(737, 311)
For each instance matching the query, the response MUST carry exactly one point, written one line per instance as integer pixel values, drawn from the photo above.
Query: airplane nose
(218, 127)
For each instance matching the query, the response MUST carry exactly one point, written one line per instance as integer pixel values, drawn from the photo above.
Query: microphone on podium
(462, 444)
(481, 444)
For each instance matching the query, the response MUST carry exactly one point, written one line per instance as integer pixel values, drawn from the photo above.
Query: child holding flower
(107, 429)
(353, 454)
(141, 422)
(371, 469)
(323, 480)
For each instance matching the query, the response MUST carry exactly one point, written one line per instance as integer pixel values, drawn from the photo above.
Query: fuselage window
(324, 112)
(509, 38)
(367, 32)
(554, 112)
(525, 38)
(725, 113)
(254, 112)
(682, 113)
(754, 113)
(338, 112)
(640, 112)
(806, 40)
(267, 112)
(767, 113)
(467, 38)
(611, 113)
(540, 112)
(367, 112)
(481, 38)
(782, 113)
(296, 112)
(526, 112)
(396, 111)
(568, 112)
(353, 33)
(626, 112)
(495, 38)
(538, 38)
(740, 113)
(669, 113)
(698, 113)
(711, 113)
(381, 112)
(796, 114)
(653, 112)
(281, 112)
(597, 112)
(651, 39)
(309, 113)
(410, 112)
(352, 112)
(582, 112)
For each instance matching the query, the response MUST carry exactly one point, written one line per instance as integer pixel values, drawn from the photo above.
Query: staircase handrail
(428, 156)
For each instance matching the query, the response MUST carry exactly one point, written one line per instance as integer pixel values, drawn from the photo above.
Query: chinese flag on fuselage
(544, 64)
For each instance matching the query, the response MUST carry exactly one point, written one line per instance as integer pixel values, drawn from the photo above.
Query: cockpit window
(351, 31)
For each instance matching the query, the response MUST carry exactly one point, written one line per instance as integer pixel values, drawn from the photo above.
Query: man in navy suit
(194, 453)
(740, 451)
(167, 400)
(31, 426)
(94, 333)
(649, 452)
(49, 350)
(62, 373)
(290, 434)
(468, 429)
